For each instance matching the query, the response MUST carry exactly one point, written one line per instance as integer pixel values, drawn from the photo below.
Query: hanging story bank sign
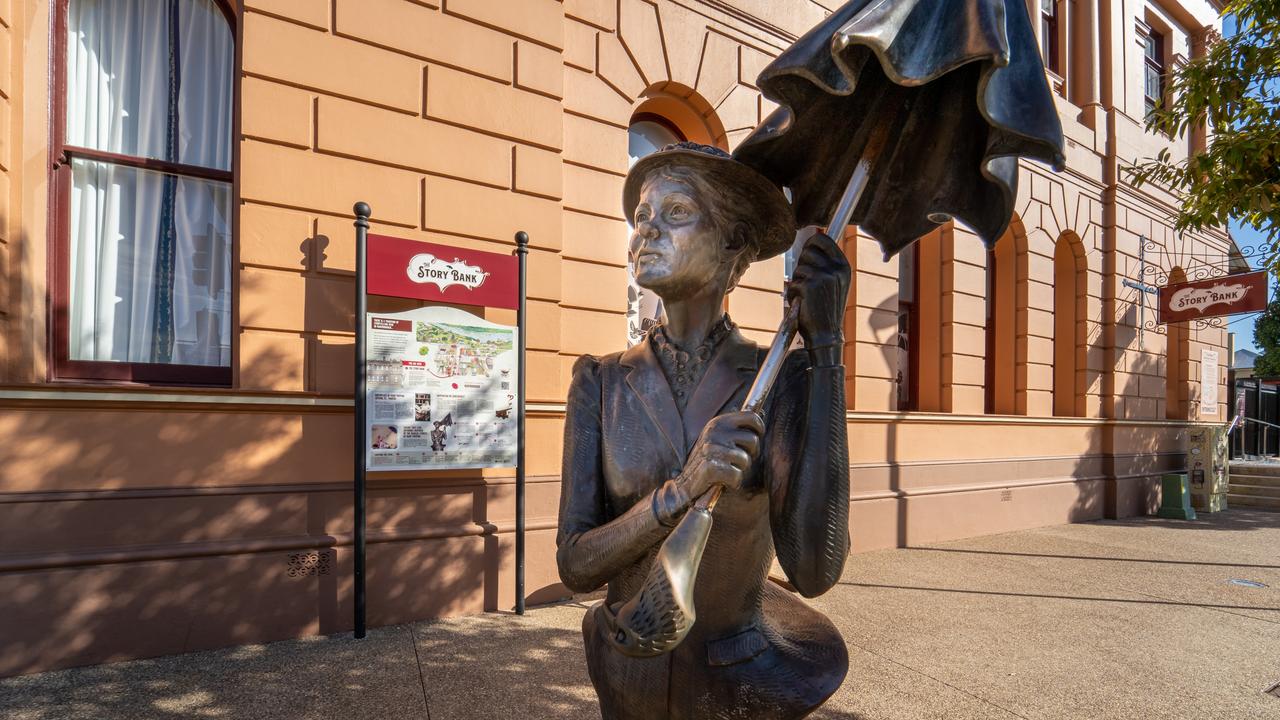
(1215, 297)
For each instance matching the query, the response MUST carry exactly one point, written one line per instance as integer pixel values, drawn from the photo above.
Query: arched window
(1069, 328)
(143, 144)
(1006, 362)
(648, 134)
(919, 375)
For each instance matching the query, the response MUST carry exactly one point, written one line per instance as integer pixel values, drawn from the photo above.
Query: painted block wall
(177, 514)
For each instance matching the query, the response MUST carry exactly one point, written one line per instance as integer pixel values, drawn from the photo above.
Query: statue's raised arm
(657, 445)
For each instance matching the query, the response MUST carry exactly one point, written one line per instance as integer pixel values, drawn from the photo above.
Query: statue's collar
(733, 365)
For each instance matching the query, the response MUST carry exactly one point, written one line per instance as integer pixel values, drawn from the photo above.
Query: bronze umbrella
(936, 98)
(897, 115)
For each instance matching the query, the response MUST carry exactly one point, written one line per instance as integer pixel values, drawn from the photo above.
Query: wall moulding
(397, 485)
(984, 487)
(152, 553)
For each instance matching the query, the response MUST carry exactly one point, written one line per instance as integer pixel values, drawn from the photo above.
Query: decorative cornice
(80, 396)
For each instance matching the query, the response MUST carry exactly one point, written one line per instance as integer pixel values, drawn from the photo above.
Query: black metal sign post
(522, 255)
(363, 212)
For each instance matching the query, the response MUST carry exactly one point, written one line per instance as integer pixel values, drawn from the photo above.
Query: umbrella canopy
(941, 95)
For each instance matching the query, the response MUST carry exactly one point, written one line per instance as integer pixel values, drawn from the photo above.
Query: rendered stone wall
(139, 521)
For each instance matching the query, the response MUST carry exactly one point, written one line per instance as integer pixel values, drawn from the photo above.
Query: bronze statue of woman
(651, 429)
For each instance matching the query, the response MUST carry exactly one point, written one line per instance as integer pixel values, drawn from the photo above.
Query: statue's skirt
(782, 666)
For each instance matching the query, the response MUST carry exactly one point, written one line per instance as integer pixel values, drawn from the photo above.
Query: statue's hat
(769, 212)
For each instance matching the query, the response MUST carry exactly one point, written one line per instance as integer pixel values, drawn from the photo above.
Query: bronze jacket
(755, 648)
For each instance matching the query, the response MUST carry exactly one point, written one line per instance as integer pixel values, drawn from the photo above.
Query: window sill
(139, 375)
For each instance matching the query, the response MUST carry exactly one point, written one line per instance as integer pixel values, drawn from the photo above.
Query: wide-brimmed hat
(769, 209)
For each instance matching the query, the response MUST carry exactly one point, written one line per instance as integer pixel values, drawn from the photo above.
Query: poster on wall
(441, 391)
(1208, 382)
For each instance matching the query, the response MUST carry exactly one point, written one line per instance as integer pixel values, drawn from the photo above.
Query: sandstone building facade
(176, 295)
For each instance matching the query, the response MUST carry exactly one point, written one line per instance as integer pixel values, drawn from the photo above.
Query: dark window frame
(911, 308)
(1051, 48)
(1153, 61)
(657, 119)
(61, 366)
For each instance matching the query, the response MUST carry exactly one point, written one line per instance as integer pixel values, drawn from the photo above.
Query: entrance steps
(1254, 485)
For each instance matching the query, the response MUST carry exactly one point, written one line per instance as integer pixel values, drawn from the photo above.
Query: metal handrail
(1260, 422)
(1240, 420)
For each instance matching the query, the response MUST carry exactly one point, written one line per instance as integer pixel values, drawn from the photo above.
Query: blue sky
(1242, 325)
(1245, 237)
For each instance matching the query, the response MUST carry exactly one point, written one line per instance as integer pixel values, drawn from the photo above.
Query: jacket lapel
(733, 366)
(650, 385)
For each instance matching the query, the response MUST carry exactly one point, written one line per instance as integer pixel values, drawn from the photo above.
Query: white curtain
(150, 253)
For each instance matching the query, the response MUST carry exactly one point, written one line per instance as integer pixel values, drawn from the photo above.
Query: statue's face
(676, 249)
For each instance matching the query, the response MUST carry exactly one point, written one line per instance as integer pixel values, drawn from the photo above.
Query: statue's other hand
(821, 284)
(723, 453)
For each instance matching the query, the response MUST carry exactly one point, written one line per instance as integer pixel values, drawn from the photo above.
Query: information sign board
(1208, 382)
(441, 391)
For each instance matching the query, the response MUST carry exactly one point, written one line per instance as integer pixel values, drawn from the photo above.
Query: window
(143, 128)
(908, 329)
(1006, 329)
(647, 135)
(1153, 71)
(1069, 328)
(1049, 42)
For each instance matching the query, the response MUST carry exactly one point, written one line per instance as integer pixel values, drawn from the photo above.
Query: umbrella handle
(768, 374)
(853, 190)
(786, 334)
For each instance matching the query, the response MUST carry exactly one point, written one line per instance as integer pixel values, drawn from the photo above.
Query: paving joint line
(422, 682)
(939, 680)
(1214, 609)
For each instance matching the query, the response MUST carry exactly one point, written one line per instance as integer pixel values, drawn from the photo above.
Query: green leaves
(1266, 335)
(1234, 90)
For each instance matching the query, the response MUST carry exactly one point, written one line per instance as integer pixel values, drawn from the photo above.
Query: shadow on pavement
(324, 677)
(503, 665)
(1093, 557)
(1047, 596)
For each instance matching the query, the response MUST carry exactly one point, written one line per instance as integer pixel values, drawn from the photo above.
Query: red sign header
(1215, 297)
(442, 273)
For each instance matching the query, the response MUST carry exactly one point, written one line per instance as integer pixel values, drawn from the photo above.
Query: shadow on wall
(1117, 474)
(142, 530)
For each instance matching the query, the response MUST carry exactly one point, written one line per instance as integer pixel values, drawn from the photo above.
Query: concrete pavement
(1127, 619)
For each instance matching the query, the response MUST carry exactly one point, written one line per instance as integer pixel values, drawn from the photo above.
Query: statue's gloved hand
(821, 284)
(723, 453)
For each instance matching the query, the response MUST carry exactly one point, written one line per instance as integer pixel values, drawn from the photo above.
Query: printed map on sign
(441, 391)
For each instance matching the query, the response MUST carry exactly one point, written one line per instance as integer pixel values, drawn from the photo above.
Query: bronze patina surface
(651, 429)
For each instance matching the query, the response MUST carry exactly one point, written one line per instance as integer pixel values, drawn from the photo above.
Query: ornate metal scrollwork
(1155, 327)
(1197, 266)
(1213, 322)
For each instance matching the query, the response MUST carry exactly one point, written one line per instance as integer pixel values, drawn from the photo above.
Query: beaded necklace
(684, 369)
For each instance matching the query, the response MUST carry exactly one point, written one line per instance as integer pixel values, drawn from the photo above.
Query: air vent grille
(310, 564)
